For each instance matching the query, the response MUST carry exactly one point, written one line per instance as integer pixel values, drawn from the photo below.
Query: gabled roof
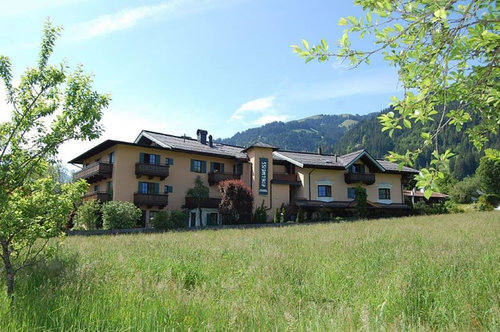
(96, 150)
(260, 145)
(314, 160)
(188, 144)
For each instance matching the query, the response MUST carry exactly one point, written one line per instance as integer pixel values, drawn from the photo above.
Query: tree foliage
(88, 216)
(466, 190)
(447, 54)
(489, 172)
(120, 215)
(236, 201)
(199, 192)
(50, 106)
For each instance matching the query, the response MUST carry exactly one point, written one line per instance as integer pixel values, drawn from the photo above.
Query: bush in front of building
(120, 215)
(88, 216)
(178, 218)
(260, 214)
(236, 201)
(300, 216)
(161, 220)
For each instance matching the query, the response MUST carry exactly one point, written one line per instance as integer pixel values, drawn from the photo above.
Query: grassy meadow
(439, 272)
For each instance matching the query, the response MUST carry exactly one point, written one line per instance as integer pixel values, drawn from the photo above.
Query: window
(148, 188)
(212, 219)
(111, 158)
(216, 167)
(96, 188)
(169, 161)
(351, 193)
(198, 166)
(168, 189)
(238, 169)
(384, 193)
(324, 191)
(358, 168)
(146, 158)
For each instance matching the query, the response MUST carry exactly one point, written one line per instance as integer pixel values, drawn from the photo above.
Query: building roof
(418, 193)
(260, 145)
(314, 160)
(188, 144)
(97, 149)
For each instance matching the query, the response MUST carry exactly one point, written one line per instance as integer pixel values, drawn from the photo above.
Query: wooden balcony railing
(215, 178)
(160, 200)
(94, 172)
(192, 203)
(152, 170)
(98, 196)
(366, 178)
(285, 177)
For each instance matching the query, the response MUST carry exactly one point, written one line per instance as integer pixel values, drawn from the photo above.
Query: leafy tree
(161, 220)
(236, 200)
(88, 216)
(49, 106)
(199, 192)
(489, 172)
(300, 215)
(465, 190)
(120, 215)
(447, 56)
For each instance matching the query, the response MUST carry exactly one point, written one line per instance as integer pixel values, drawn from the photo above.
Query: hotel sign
(264, 167)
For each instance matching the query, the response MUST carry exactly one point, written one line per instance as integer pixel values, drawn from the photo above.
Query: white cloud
(269, 118)
(259, 105)
(128, 18)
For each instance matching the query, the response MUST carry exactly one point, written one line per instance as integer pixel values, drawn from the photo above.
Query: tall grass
(439, 272)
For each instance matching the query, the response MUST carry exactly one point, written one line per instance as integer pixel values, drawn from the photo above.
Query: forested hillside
(301, 135)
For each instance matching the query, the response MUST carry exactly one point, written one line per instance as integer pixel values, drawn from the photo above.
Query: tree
(49, 106)
(361, 201)
(199, 192)
(466, 190)
(488, 172)
(236, 200)
(447, 53)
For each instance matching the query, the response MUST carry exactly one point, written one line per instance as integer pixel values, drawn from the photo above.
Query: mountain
(300, 135)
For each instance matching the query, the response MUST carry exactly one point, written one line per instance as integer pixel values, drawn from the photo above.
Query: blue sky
(178, 65)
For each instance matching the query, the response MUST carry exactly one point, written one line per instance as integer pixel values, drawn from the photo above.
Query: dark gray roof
(314, 160)
(189, 144)
(261, 145)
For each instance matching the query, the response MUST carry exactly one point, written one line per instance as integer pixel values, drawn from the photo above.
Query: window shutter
(139, 187)
(192, 165)
(141, 157)
(362, 169)
(203, 166)
(157, 159)
(157, 188)
(222, 168)
(212, 167)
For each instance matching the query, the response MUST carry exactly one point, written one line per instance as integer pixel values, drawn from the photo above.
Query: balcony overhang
(94, 172)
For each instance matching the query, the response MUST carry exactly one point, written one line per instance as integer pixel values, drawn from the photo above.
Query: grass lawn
(439, 272)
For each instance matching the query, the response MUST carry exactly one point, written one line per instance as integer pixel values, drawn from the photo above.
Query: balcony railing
(215, 178)
(152, 170)
(366, 178)
(192, 203)
(285, 177)
(98, 196)
(94, 172)
(160, 200)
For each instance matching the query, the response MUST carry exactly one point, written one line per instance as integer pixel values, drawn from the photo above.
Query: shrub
(300, 215)
(161, 220)
(452, 207)
(120, 215)
(236, 201)
(277, 216)
(260, 215)
(465, 190)
(361, 201)
(88, 216)
(178, 218)
(488, 202)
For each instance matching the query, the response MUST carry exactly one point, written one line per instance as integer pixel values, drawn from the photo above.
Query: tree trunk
(9, 271)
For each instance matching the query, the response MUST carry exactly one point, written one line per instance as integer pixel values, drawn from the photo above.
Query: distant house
(156, 171)
(415, 196)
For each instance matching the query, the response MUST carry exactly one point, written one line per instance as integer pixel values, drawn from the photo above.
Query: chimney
(202, 136)
(319, 150)
(210, 141)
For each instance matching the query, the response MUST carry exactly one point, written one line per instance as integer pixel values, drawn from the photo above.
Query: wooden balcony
(215, 178)
(205, 203)
(94, 172)
(98, 196)
(160, 200)
(366, 178)
(152, 170)
(284, 177)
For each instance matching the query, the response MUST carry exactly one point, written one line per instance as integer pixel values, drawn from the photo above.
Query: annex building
(156, 171)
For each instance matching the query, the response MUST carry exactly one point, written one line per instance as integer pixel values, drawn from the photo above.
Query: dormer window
(152, 159)
(358, 168)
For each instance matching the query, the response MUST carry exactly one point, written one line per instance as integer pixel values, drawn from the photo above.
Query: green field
(439, 272)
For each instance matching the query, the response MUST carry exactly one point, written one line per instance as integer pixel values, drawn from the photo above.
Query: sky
(175, 66)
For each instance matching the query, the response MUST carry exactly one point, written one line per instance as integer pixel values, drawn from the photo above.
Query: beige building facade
(156, 171)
